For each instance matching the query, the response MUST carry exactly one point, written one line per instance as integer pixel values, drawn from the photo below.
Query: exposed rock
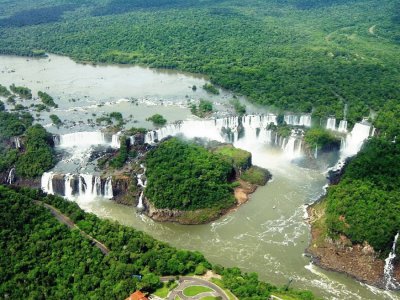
(357, 260)
(124, 189)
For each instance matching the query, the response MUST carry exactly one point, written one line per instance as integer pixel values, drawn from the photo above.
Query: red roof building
(138, 295)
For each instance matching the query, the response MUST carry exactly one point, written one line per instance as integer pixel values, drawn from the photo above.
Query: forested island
(189, 184)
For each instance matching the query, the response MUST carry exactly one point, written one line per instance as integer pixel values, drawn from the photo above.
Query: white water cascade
(331, 124)
(355, 139)
(85, 186)
(342, 126)
(17, 143)
(108, 189)
(142, 184)
(295, 120)
(316, 152)
(390, 282)
(11, 176)
(115, 140)
(81, 139)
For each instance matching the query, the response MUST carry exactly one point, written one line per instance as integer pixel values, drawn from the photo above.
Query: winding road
(67, 221)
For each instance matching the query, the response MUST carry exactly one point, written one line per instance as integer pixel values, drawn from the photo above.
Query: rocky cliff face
(125, 189)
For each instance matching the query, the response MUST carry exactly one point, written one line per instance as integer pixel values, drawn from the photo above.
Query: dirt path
(67, 221)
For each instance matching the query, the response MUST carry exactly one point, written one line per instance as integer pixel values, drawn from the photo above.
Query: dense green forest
(365, 205)
(185, 176)
(37, 154)
(43, 259)
(297, 55)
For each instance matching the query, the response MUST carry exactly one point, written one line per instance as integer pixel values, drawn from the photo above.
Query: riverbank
(359, 261)
(200, 216)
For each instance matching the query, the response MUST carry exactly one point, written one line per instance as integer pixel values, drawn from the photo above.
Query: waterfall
(115, 140)
(331, 124)
(47, 182)
(142, 184)
(11, 176)
(342, 126)
(82, 139)
(17, 143)
(140, 203)
(292, 148)
(316, 152)
(84, 186)
(295, 120)
(132, 140)
(108, 190)
(390, 282)
(355, 139)
(69, 186)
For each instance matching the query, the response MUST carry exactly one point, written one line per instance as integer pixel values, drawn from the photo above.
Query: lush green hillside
(36, 155)
(43, 259)
(294, 55)
(365, 205)
(185, 176)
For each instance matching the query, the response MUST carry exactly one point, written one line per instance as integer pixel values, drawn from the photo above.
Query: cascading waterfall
(85, 186)
(17, 143)
(352, 143)
(316, 152)
(47, 182)
(355, 139)
(142, 184)
(11, 176)
(295, 120)
(115, 140)
(108, 189)
(390, 282)
(81, 139)
(342, 126)
(331, 124)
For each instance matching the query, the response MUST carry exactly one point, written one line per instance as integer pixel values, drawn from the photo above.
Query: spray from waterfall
(390, 282)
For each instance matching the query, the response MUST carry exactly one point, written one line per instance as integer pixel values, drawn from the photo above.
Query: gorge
(267, 235)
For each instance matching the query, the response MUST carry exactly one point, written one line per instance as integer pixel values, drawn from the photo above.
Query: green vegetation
(240, 108)
(43, 259)
(56, 120)
(13, 124)
(122, 155)
(369, 188)
(220, 283)
(256, 175)
(187, 177)
(297, 55)
(39, 154)
(321, 138)
(21, 91)
(2, 107)
(157, 119)
(203, 110)
(4, 92)
(195, 290)
(240, 159)
(47, 99)
(210, 89)
(211, 298)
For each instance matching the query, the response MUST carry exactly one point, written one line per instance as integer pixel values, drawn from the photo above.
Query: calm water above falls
(267, 235)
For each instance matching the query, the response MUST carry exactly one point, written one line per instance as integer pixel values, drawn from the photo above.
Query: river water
(267, 235)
